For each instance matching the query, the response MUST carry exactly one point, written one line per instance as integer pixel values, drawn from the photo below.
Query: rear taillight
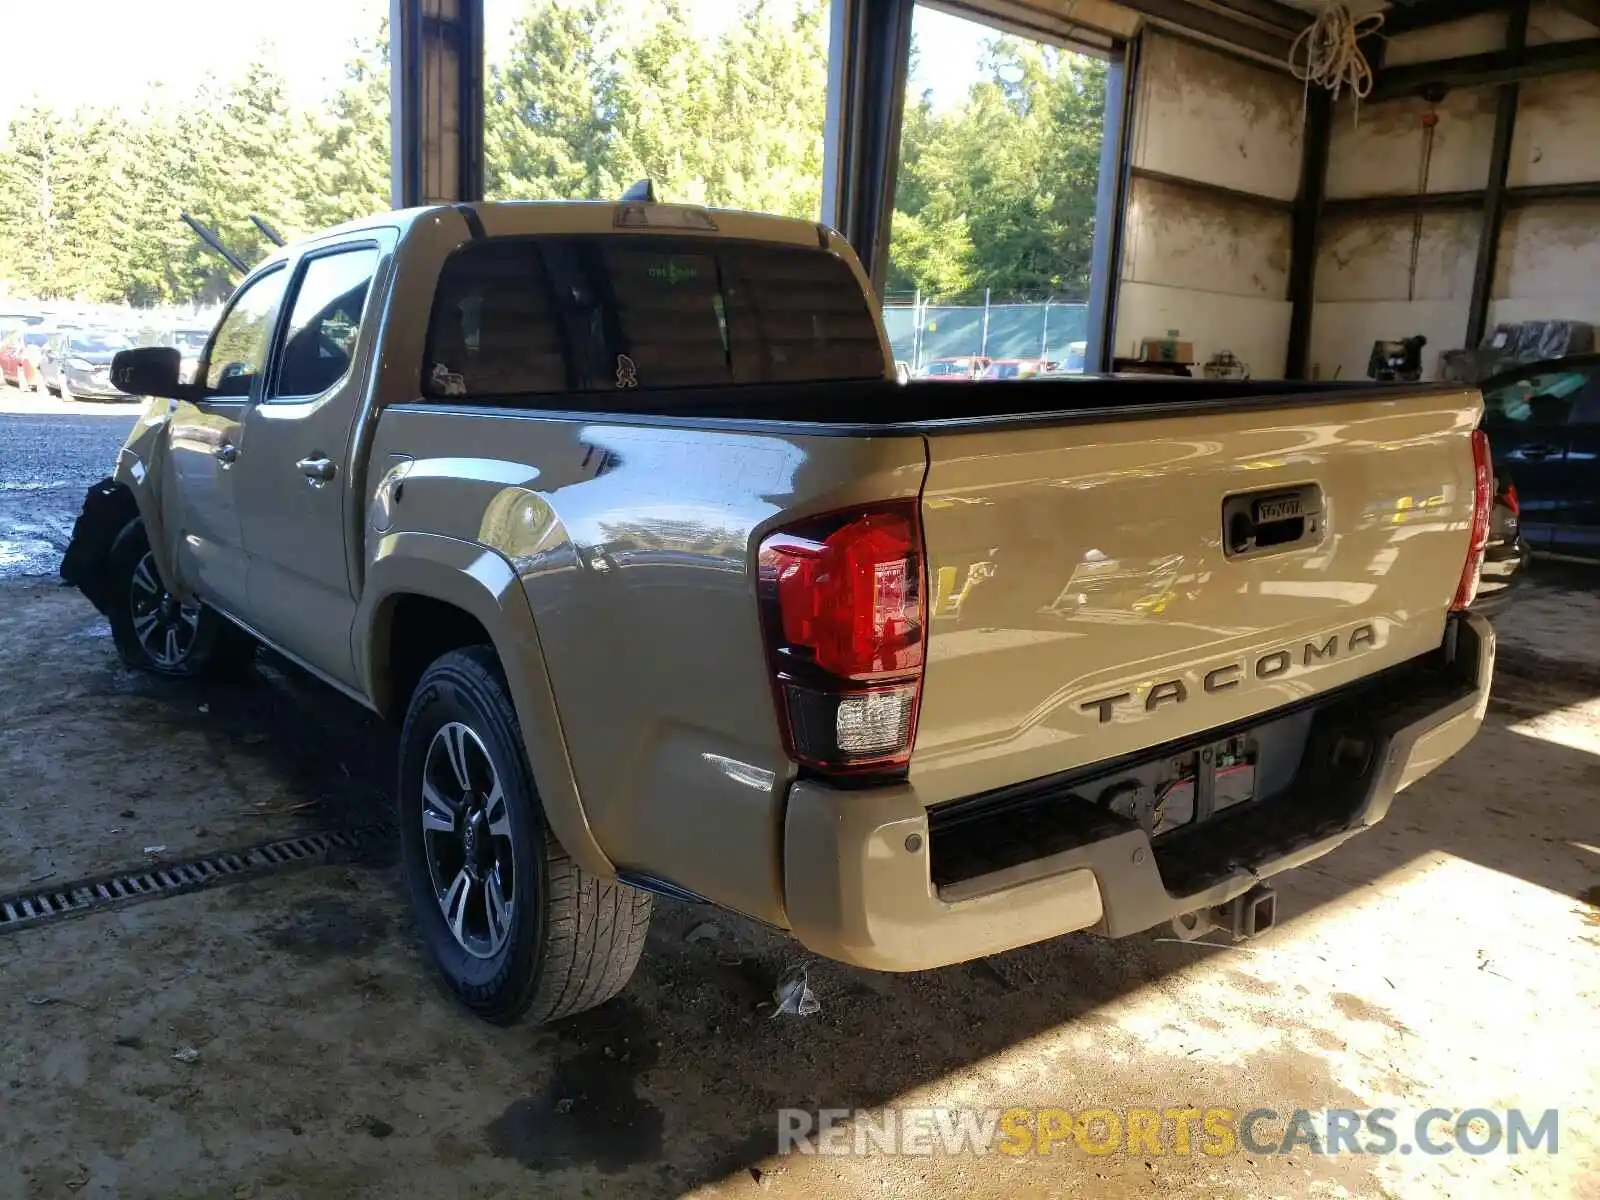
(1510, 500)
(1482, 508)
(845, 620)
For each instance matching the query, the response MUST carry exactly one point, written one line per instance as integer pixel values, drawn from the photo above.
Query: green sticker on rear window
(672, 273)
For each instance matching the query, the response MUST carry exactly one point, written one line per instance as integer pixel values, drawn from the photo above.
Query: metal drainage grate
(20, 909)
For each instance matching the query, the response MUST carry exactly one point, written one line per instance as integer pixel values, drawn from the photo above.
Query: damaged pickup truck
(619, 513)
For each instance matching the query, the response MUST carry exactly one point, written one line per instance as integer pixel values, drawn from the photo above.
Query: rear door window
(324, 321)
(636, 314)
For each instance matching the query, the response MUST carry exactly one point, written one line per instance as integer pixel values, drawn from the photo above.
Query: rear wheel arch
(452, 591)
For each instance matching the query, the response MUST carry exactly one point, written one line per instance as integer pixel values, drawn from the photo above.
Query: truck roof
(513, 218)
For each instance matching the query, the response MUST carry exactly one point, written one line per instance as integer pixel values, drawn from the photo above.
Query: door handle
(1272, 521)
(1538, 451)
(227, 454)
(318, 470)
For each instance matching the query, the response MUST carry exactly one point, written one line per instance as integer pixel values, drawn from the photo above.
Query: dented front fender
(141, 468)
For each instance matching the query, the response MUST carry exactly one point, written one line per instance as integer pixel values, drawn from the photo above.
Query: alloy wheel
(165, 626)
(466, 837)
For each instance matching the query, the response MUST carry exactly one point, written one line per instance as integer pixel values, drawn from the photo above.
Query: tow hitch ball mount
(1242, 917)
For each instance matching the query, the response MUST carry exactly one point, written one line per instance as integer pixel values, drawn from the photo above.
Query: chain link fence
(921, 330)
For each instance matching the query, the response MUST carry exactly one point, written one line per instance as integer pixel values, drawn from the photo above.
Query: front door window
(239, 348)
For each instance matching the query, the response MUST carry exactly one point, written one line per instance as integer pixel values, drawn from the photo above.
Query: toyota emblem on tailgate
(1279, 508)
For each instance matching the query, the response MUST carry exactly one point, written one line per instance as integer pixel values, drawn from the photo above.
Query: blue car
(1543, 422)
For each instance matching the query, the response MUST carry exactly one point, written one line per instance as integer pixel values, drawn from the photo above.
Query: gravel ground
(49, 453)
(1447, 958)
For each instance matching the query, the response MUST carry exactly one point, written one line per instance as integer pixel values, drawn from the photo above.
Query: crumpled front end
(133, 490)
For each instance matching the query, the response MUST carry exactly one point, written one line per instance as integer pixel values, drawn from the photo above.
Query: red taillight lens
(842, 601)
(1482, 508)
(1511, 500)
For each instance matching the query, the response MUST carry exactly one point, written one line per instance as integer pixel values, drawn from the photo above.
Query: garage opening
(992, 235)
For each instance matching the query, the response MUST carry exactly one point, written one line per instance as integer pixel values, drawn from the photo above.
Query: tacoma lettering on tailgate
(1229, 675)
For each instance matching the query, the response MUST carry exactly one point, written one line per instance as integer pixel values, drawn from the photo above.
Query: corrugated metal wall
(1399, 273)
(1213, 266)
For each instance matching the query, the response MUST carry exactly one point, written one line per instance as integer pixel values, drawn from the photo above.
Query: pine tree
(998, 192)
(32, 236)
(549, 110)
(346, 172)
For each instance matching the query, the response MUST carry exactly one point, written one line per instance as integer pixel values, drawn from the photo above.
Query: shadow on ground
(334, 1036)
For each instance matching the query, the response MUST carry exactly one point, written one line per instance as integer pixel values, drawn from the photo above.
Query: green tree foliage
(346, 173)
(549, 110)
(589, 101)
(90, 200)
(997, 192)
(1000, 193)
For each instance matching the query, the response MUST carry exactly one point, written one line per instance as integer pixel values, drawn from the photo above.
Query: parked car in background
(18, 320)
(1543, 422)
(188, 340)
(1017, 368)
(947, 369)
(77, 364)
(20, 351)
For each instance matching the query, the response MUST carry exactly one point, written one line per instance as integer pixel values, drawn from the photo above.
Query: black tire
(572, 939)
(208, 645)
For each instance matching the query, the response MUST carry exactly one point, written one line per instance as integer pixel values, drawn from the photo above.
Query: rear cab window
(629, 318)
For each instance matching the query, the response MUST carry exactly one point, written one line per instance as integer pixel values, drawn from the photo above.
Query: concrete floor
(1447, 958)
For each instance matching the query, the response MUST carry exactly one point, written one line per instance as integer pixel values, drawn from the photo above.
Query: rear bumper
(860, 869)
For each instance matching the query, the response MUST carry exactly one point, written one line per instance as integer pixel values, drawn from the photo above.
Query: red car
(20, 351)
(1017, 368)
(966, 368)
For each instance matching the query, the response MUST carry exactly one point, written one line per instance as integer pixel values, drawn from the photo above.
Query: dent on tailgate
(1085, 602)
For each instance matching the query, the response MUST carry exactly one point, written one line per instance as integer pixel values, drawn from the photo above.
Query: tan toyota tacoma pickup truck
(619, 512)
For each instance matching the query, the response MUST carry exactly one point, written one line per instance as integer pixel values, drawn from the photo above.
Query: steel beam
(436, 101)
(1494, 196)
(1233, 27)
(1516, 197)
(1510, 65)
(1534, 193)
(1111, 208)
(1398, 19)
(1307, 218)
(1201, 187)
(869, 50)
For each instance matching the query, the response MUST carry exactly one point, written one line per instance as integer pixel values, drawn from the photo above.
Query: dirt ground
(1447, 958)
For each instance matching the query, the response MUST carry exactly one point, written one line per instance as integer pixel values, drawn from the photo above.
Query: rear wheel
(155, 630)
(517, 929)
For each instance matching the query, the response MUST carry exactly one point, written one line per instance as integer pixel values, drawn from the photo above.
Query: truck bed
(878, 406)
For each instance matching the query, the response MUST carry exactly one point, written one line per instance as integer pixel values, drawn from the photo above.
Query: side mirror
(149, 371)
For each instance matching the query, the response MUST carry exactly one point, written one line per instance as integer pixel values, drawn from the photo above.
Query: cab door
(295, 487)
(205, 446)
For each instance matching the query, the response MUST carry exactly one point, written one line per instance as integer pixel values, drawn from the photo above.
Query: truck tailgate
(1087, 601)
